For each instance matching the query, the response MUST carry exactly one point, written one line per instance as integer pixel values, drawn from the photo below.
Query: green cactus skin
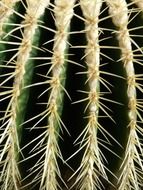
(71, 94)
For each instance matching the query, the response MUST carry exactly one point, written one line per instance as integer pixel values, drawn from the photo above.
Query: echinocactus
(71, 94)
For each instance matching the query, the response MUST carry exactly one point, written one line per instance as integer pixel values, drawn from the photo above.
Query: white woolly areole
(30, 21)
(6, 9)
(91, 12)
(91, 8)
(34, 10)
(119, 12)
(63, 13)
(36, 7)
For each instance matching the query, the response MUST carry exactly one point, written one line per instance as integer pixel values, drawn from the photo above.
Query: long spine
(6, 9)
(11, 148)
(63, 12)
(129, 171)
(92, 164)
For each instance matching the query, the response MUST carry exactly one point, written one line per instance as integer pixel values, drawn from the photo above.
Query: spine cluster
(10, 174)
(63, 12)
(130, 172)
(16, 61)
(91, 165)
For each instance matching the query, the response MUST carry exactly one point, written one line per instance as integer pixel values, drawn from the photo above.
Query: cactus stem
(130, 175)
(48, 169)
(88, 177)
(11, 177)
(6, 9)
(100, 43)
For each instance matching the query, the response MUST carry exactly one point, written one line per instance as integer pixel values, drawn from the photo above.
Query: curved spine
(132, 162)
(63, 12)
(92, 166)
(6, 9)
(6, 17)
(10, 174)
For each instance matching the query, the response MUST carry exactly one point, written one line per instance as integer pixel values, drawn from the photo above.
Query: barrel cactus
(71, 94)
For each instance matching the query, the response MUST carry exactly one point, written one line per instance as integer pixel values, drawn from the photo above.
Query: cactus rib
(44, 92)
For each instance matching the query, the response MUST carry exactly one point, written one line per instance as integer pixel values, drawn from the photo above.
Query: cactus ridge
(38, 51)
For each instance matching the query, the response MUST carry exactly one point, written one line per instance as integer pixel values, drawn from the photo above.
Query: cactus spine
(22, 24)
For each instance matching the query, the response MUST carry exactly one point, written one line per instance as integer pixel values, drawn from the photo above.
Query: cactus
(71, 94)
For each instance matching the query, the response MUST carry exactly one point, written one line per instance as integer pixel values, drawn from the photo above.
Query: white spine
(118, 9)
(10, 170)
(88, 177)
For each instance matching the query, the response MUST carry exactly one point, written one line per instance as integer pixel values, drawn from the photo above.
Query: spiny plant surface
(71, 94)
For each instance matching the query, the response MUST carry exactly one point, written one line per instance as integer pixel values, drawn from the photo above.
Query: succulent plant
(71, 94)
